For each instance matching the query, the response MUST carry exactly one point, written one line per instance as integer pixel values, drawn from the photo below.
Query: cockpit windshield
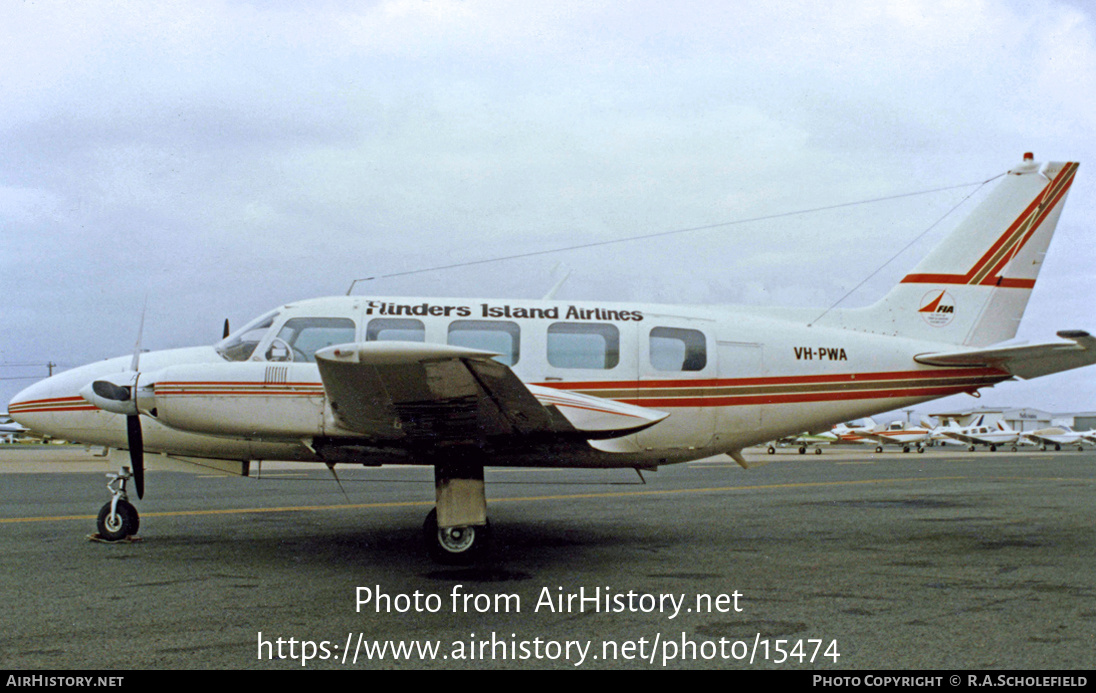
(240, 345)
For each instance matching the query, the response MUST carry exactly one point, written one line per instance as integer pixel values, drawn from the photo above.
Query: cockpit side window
(300, 338)
(240, 345)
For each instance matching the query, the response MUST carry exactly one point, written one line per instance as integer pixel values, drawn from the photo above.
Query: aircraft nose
(30, 402)
(37, 407)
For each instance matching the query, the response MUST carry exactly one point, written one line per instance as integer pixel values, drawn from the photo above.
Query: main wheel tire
(124, 523)
(455, 545)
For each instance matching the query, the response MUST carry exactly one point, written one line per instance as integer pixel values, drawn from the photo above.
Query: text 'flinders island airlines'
(460, 384)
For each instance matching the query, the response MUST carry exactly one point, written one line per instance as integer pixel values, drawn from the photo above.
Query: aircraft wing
(1026, 361)
(436, 394)
(881, 438)
(963, 437)
(1052, 436)
(1040, 439)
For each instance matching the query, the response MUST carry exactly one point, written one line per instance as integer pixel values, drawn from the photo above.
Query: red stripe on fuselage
(776, 380)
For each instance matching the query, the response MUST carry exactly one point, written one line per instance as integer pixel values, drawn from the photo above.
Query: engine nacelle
(252, 400)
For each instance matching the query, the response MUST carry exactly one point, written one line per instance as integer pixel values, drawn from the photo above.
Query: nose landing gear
(118, 519)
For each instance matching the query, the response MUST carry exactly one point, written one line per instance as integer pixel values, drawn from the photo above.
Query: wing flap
(1027, 361)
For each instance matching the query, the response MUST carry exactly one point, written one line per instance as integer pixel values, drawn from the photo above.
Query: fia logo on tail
(937, 308)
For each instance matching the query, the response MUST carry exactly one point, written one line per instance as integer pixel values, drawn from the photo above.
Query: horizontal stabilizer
(1026, 361)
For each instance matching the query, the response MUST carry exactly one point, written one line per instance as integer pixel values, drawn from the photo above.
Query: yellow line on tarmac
(725, 489)
(570, 496)
(228, 511)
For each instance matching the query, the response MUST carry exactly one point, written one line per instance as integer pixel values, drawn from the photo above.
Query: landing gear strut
(118, 519)
(456, 530)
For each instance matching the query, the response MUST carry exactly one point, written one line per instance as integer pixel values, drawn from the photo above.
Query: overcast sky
(222, 158)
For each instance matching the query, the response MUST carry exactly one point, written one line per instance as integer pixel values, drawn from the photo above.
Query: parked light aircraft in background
(1055, 436)
(804, 441)
(460, 384)
(852, 433)
(981, 433)
(900, 433)
(9, 429)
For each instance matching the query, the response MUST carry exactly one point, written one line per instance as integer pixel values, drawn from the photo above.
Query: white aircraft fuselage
(761, 378)
(461, 383)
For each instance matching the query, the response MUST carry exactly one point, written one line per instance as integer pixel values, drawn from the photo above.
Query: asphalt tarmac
(946, 560)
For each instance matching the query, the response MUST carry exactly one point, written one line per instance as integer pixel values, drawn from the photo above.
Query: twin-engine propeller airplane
(460, 384)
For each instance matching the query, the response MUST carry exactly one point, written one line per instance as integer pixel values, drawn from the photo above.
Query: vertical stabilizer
(973, 288)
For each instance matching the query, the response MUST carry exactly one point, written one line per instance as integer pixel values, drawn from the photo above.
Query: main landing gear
(118, 519)
(457, 530)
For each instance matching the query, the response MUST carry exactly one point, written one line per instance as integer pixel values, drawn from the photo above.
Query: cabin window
(395, 330)
(583, 345)
(676, 349)
(502, 338)
(300, 338)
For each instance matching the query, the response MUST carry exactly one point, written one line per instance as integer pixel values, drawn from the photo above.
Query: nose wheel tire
(454, 544)
(116, 526)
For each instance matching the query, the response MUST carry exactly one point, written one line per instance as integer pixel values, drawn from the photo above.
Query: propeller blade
(136, 452)
(135, 363)
(226, 330)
